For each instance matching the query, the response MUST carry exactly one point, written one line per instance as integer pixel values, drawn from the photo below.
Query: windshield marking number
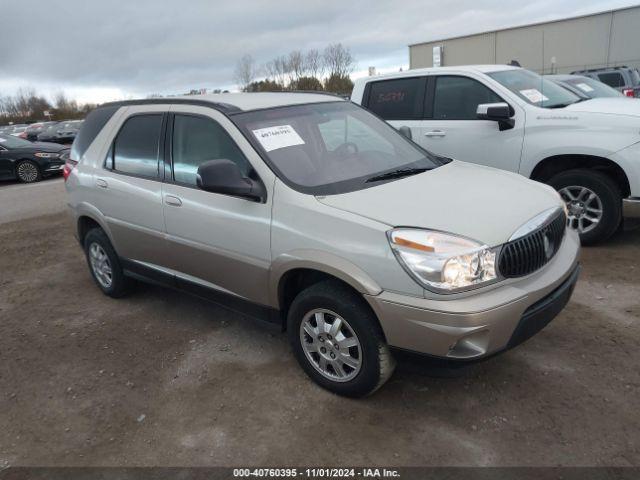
(279, 136)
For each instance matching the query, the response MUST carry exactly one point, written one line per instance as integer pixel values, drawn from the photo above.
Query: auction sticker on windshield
(584, 87)
(533, 95)
(279, 136)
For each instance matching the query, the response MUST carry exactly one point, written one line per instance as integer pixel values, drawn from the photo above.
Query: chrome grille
(532, 251)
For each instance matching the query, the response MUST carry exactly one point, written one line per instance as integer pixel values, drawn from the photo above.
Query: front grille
(531, 252)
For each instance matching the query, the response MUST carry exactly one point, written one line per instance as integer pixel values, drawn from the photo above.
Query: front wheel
(337, 340)
(594, 203)
(28, 172)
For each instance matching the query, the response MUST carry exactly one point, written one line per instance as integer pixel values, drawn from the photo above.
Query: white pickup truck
(510, 118)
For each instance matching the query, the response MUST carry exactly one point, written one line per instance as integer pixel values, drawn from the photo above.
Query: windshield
(534, 89)
(592, 88)
(330, 148)
(9, 141)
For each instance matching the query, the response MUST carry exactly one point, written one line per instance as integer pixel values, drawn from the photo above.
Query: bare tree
(338, 60)
(313, 64)
(245, 71)
(296, 64)
(277, 70)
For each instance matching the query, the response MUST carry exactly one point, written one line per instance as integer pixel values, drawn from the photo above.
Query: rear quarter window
(613, 79)
(398, 99)
(92, 125)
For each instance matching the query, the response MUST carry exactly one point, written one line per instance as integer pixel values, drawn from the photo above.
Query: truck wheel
(594, 203)
(104, 264)
(337, 340)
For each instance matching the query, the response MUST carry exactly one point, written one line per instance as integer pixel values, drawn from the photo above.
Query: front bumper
(631, 207)
(54, 167)
(479, 325)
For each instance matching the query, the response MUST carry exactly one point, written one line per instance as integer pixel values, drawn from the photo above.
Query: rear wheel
(104, 264)
(337, 340)
(594, 203)
(28, 172)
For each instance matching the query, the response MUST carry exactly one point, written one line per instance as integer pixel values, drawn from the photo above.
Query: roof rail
(221, 106)
(617, 67)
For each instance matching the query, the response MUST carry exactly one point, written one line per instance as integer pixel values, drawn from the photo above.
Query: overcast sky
(105, 50)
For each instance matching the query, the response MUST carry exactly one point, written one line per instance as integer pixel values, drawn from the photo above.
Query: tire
(28, 171)
(609, 198)
(332, 300)
(96, 244)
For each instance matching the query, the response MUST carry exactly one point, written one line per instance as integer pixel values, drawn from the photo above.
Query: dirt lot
(162, 378)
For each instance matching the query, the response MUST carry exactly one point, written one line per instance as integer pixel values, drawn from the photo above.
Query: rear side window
(457, 98)
(90, 129)
(197, 140)
(399, 99)
(136, 148)
(613, 79)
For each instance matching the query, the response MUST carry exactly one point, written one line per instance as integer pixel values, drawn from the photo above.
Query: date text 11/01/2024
(317, 472)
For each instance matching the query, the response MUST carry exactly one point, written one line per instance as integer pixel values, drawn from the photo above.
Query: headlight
(443, 262)
(46, 155)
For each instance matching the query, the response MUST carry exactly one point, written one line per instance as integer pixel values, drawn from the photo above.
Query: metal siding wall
(576, 43)
(625, 41)
(523, 45)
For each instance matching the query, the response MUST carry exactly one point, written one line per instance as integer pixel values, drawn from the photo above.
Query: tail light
(68, 166)
(628, 92)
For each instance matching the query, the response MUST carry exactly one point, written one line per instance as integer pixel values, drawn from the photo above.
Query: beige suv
(309, 211)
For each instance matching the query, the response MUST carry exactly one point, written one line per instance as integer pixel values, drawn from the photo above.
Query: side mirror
(224, 176)
(405, 131)
(498, 112)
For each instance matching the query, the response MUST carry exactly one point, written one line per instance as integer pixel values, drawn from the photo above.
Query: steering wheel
(347, 149)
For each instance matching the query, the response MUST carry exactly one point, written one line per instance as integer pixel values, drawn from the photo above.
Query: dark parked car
(30, 162)
(584, 87)
(623, 78)
(36, 129)
(62, 132)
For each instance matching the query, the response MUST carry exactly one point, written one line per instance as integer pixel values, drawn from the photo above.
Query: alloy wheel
(100, 265)
(584, 208)
(331, 345)
(27, 172)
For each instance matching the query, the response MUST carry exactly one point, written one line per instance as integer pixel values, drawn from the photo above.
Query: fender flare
(328, 263)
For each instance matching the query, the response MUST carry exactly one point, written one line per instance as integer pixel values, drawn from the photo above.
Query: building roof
(235, 102)
(485, 32)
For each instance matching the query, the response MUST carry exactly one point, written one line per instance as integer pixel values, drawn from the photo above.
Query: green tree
(263, 86)
(340, 84)
(307, 83)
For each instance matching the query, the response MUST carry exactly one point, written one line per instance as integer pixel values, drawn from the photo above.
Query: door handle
(102, 183)
(435, 133)
(172, 201)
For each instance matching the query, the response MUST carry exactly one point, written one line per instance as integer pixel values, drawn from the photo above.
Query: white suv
(514, 119)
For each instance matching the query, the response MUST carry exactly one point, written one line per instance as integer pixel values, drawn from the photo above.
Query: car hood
(482, 203)
(612, 106)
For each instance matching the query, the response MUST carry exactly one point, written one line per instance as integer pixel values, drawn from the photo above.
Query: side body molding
(321, 261)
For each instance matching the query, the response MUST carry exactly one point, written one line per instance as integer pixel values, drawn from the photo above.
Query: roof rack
(221, 106)
(617, 67)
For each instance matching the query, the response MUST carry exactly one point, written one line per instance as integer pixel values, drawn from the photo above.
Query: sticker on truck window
(279, 136)
(533, 95)
(584, 87)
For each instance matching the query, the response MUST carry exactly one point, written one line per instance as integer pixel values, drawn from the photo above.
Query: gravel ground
(163, 378)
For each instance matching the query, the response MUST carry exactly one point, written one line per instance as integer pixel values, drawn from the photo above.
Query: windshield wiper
(399, 173)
